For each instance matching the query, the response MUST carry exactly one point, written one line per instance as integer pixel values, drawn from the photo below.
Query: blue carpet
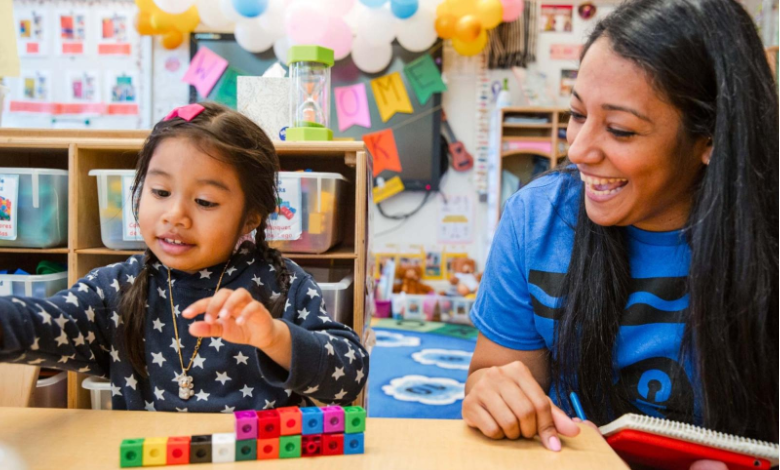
(419, 374)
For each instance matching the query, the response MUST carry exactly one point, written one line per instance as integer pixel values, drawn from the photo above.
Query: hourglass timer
(309, 93)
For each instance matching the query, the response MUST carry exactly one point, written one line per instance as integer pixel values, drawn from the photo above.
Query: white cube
(223, 447)
(266, 101)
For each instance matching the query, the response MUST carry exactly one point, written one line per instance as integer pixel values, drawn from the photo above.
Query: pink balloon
(338, 37)
(512, 9)
(306, 22)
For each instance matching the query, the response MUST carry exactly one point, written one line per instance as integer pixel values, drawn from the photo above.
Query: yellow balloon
(468, 28)
(443, 9)
(462, 7)
(161, 22)
(187, 21)
(490, 13)
(146, 5)
(470, 48)
(143, 23)
(172, 39)
(445, 26)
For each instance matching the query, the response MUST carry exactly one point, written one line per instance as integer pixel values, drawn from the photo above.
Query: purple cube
(246, 425)
(333, 419)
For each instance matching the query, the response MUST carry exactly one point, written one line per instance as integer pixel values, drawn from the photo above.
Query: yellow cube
(155, 451)
(316, 223)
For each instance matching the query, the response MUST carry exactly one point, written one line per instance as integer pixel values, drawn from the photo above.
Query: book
(672, 445)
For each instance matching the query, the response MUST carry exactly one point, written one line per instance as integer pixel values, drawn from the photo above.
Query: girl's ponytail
(132, 307)
(274, 258)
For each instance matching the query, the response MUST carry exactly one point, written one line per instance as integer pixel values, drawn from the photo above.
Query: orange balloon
(161, 22)
(468, 28)
(445, 26)
(462, 7)
(143, 23)
(470, 48)
(146, 5)
(172, 39)
(490, 13)
(188, 21)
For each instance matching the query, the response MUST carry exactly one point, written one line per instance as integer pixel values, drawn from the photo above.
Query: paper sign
(390, 95)
(382, 147)
(425, 78)
(31, 31)
(130, 228)
(114, 31)
(9, 59)
(205, 69)
(9, 206)
(352, 106)
(565, 51)
(556, 18)
(72, 32)
(455, 219)
(226, 90)
(285, 223)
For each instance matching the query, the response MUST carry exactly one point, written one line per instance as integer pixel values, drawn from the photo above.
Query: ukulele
(461, 158)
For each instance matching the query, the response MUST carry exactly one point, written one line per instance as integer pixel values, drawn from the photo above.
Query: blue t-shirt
(516, 307)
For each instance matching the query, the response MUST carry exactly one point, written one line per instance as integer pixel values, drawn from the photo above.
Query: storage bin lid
(33, 171)
(33, 277)
(311, 174)
(341, 285)
(111, 172)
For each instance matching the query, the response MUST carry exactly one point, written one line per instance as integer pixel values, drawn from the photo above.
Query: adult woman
(650, 286)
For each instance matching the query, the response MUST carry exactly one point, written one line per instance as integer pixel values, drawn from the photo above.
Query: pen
(575, 402)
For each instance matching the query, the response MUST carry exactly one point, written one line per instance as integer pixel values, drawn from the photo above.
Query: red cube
(290, 418)
(311, 445)
(178, 450)
(268, 449)
(268, 424)
(332, 444)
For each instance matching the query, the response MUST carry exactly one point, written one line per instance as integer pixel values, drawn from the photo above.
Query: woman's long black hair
(706, 59)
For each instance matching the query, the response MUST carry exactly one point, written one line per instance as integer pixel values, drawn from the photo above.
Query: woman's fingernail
(576, 420)
(554, 443)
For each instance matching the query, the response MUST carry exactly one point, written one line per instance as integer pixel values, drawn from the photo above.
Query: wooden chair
(17, 383)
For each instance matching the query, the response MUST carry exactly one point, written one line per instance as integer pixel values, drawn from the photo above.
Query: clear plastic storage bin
(40, 213)
(309, 211)
(41, 285)
(51, 392)
(337, 292)
(99, 391)
(118, 228)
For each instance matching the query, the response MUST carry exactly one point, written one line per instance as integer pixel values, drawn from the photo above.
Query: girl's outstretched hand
(234, 316)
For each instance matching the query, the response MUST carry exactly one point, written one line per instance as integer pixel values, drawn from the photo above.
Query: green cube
(246, 450)
(290, 447)
(354, 419)
(131, 453)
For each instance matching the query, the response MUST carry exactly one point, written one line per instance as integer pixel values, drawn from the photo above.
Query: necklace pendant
(185, 386)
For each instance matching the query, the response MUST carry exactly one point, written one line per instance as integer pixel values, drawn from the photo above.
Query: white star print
(350, 354)
(17, 301)
(62, 339)
(133, 260)
(244, 251)
(287, 304)
(83, 287)
(340, 395)
(250, 263)
(271, 268)
(64, 359)
(205, 274)
(257, 280)
(338, 373)
(161, 292)
(130, 279)
(79, 341)
(325, 318)
(216, 343)
(35, 346)
(84, 369)
(149, 406)
(229, 409)
(116, 318)
(91, 337)
(240, 358)
(223, 377)
(275, 295)
(246, 391)
(159, 394)
(202, 395)
(61, 320)
(45, 315)
(176, 347)
(311, 389)
(293, 278)
(90, 313)
(198, 361)
(312, 292)
(329, 347)
(115, 390)
(158, 325)
(114, 354)
(71, 299)
(131, 381)
(181, 410)
(157, 266)
(36, 362)
(115, 284)
(158, 358)
(100, 292)
(176, 310)
(303, 313)
(322, 309)
(230, 270)
(269, 404)
(288, 391)
(359, 376)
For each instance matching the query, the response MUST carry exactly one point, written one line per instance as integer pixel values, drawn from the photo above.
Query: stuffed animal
(407, 279)
(464, 280)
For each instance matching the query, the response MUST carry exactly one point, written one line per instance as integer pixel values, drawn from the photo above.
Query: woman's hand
(236, 317)
(508, 402)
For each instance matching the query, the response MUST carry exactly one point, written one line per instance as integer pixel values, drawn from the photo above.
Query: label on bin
(9, 206)
(285, 223)
(130, 228)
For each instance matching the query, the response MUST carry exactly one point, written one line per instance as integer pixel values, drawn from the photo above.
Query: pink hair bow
(187, 112)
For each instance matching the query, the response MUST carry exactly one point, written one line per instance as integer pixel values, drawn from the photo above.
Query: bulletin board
(83, 65)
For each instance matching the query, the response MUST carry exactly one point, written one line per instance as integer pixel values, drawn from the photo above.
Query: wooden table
(54, 439)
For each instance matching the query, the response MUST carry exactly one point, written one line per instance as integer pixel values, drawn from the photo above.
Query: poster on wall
(121, 93)
(32, 93)
(31, 31)
(72, 32)
(556, 18)
(82, 93)
(568, 77)
(565, 51)
(456, 215)
(114, 30)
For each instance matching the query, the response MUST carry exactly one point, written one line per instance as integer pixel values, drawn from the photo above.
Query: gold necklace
(185, 381)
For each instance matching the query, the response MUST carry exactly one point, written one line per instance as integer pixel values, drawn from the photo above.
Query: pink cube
(333, 419)
(246, 425)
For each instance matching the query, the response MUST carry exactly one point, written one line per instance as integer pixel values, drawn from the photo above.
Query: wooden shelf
(107, 251)
(525, 139)
(63, 250)
(514, 153)
(346, 252)
(517, 125)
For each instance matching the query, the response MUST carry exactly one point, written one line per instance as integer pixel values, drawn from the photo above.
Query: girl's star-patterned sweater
(81, 330)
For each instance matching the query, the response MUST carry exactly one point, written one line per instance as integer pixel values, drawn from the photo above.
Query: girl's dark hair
(232, 138)
(706, 59)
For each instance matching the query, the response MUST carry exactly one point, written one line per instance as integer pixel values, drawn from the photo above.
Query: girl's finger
(235, 303)
(196, 308)
(217, 302)
(478, 417)
(252, 309)
(204, 329)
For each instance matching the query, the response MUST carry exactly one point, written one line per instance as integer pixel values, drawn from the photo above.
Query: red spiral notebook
(672, 445)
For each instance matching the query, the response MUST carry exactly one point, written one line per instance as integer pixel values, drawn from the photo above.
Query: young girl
(194, 324)
(644, 276)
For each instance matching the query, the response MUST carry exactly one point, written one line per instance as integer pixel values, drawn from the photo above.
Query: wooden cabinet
(82, 151)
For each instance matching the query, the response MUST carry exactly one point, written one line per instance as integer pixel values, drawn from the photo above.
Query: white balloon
(251, 37)
(417, 33)
(230, 12)
(174, 7)
(370, 58)
(211, 15)
(272, 21)
(340, 7)
(352, 18)
(281, 48)
(430, 4)
(376, 26)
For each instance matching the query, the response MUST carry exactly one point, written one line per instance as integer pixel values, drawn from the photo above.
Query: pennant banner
(205, 69)
(352, 106)
(382, 147)
(390, 95)
(425, 78)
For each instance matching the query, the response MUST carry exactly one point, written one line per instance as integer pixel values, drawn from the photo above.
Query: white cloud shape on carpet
(444, 358)
(425, 390)
(395, 340)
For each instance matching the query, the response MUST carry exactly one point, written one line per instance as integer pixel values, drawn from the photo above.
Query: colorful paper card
(390, 95)
(205, 69)
(424, 77)
(225, 91)
(352, 106)
(382, 147)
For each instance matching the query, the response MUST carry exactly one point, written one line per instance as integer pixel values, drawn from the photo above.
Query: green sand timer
(309, 93)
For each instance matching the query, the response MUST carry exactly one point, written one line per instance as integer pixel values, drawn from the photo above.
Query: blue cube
(311, 420)
(353, 443)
